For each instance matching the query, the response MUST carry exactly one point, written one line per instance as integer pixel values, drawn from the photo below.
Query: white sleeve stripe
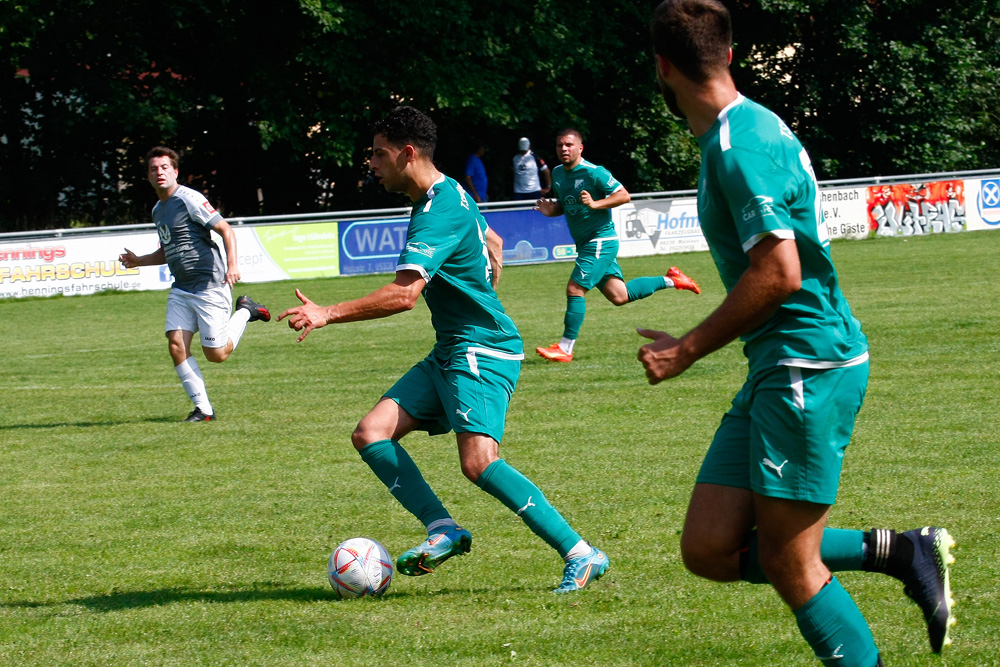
(414, 267)
(784, 234)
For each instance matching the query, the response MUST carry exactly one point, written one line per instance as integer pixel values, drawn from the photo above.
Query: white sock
(581, 549)
(237, 325)
(194, 384)
(567, 345)
(668, 282)
(440, 526)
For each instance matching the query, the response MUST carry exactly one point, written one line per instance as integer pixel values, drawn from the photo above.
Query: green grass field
(127, 538)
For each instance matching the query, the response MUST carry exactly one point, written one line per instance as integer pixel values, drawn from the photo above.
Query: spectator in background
(531, 175)
(475, 173)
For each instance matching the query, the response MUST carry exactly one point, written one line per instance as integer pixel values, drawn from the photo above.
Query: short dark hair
(163, 151)
(570, 130)
(406, 125)
(694, 35)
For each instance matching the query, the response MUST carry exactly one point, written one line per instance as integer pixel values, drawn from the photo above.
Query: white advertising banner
(983, 204)
(86, 264)
(658, 227)
(845, 213)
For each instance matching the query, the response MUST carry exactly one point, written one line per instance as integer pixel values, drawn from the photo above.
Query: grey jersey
(184, 223)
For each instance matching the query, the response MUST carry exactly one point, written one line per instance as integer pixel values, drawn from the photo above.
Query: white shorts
(207, 311)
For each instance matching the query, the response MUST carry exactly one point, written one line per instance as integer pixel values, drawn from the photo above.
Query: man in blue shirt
(475, 174)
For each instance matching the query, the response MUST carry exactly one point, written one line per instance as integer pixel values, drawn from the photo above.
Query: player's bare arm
(494, 246)
(130, 260)
(398, 296)
(774, 274)
(616, 198)
(225, 230)
(549, 207)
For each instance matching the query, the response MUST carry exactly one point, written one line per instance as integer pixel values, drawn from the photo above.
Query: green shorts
(596, 263)
(786, 433)
(469, 392)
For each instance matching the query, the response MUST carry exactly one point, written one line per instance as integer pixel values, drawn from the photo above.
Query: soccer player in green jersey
(465, 384)
(585, 193)
(761, 499)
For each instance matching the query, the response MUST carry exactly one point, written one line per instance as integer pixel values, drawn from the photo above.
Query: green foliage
(275, 100)
(127, 538)
(886, 87)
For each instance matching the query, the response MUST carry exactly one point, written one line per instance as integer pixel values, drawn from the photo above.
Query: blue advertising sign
(371, 246)
(529, 237)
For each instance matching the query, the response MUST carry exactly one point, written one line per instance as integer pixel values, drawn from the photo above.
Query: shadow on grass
(123, 600)
(121, 422)
(164, 596)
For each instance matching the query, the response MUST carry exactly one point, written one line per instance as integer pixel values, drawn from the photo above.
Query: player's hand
(586, 199)
(306, 317)
(546, 206)
(128, 259)
(232, 277)
(662, 358)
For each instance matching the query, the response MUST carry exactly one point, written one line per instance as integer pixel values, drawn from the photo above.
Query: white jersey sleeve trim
(723, 117)
(414, 267)
(784, 234)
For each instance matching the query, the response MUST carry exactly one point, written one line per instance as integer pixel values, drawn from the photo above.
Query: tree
(874, 86)
(271, 104)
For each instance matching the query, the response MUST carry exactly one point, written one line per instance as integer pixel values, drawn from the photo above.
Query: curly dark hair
(406, 125)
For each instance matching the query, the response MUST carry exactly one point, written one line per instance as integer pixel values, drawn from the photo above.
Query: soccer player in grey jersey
(201, 297)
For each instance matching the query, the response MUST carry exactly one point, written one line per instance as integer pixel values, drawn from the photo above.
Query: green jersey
(585, 224)
(756, 180)
(446, 244)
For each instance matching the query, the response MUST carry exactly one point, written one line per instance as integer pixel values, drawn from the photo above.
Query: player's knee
(784, 567)
(618, 299)
(364, 434)
(701, 558)
(693, 561)
(216, 354)
(177, 352)
(358, 437)
(472, 470)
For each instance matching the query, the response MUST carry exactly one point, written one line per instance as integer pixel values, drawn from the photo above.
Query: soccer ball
(360, 567)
